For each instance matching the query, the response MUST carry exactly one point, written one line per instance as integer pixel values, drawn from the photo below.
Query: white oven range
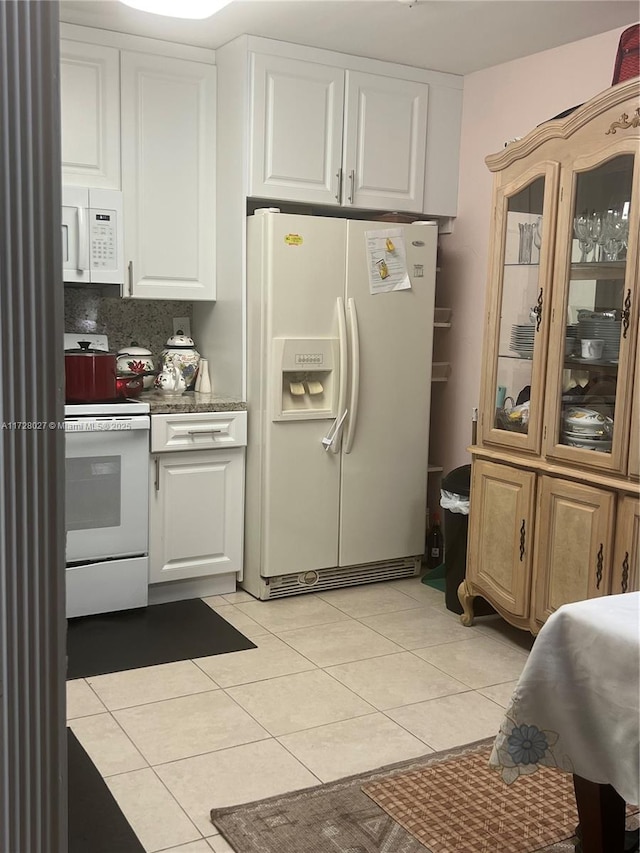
(107, 506)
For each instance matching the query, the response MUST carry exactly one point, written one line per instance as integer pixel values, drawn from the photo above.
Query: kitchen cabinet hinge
(544, 433)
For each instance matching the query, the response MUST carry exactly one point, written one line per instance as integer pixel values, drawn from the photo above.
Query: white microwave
(92, 236)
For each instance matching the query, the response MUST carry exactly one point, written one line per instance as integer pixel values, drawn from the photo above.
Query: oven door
(106, 499)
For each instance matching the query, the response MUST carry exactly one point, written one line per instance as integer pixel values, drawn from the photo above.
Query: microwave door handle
(83, 248)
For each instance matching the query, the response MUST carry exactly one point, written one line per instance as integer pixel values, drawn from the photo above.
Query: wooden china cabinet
(555, 494)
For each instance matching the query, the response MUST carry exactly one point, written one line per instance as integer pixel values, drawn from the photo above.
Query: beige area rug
(340, 818)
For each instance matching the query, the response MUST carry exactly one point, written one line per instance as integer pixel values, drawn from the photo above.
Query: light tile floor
(341, 682)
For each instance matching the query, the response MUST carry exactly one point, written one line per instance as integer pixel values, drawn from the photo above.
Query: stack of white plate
(571, 338)
(522, 340)
(587, 429)
(605, 329)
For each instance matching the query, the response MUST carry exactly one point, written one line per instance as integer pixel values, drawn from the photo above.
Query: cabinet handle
(352, 180)
(625, 572)
(130, 278)
(538, 310)
(203, 431)
(339, 193)
(523, 533)
(626, 314)
(157, 482)
(599, 562)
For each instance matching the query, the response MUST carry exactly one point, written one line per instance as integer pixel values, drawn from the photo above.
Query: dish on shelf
(585, 314)
(584, 443)
(586, 436)
(522, 340)
(581, 417)
(607, 330)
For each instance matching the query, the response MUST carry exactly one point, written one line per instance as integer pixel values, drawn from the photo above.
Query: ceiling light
(179, 8)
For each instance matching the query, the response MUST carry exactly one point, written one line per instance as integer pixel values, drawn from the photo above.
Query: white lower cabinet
(196, 512)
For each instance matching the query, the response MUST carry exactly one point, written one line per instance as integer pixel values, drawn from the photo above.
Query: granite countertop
(190, 401)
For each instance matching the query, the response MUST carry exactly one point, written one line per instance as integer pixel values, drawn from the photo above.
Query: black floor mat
(96, 824)
(160, 633)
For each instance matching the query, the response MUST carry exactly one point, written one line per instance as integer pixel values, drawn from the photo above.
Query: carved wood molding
(623, 122)
(566, 127)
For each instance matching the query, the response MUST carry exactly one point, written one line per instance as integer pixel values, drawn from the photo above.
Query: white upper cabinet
(323, 135)
(168, 176)
(296, 130)
(385, 142)
(90, 115)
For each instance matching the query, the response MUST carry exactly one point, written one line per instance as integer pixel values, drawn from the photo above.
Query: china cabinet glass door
(518, 328)
(591, 340)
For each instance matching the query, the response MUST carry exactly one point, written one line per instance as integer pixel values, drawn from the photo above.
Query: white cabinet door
(296, 130)
(196, 514)
(385, 142)
(168, 176)
(90, 115)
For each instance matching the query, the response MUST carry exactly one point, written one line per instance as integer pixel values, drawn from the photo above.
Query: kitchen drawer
(198, 431)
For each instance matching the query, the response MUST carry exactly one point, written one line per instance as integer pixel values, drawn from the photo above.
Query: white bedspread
(576, 705)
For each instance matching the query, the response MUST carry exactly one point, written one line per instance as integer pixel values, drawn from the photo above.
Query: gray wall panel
(32, 625)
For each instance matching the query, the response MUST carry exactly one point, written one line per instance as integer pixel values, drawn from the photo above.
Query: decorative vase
(180, 352)
(203, 384)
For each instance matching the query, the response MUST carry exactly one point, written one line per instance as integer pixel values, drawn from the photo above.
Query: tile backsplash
(147, 322)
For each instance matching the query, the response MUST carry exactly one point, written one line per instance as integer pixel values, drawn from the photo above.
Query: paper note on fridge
(387, 260)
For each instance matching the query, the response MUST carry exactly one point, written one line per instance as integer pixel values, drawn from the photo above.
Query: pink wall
(499, 104)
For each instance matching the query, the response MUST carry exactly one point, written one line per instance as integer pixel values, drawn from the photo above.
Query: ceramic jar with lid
(181, 353)
(133, 361)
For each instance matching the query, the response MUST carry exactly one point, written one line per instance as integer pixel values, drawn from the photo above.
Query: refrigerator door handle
(355, 375)
(331, 439)
(342, 386)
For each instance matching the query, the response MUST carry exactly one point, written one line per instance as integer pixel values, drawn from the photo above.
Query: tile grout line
(179, 804)
(136, 770)
(297, 730)
(314, 667)
(284, 746)
(168, 698)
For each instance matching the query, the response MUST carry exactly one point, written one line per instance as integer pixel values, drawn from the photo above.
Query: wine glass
(537, 233)
(617, 234)
(598, 232)
(582, 230)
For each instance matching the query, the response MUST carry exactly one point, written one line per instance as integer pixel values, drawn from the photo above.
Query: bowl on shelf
(515, 419)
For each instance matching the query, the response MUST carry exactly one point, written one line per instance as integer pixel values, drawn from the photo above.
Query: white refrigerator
(338, 394)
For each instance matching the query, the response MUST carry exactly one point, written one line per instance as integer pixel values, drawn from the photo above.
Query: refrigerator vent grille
(283, 585)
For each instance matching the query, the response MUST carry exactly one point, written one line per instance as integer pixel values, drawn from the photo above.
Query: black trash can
(457, 485)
